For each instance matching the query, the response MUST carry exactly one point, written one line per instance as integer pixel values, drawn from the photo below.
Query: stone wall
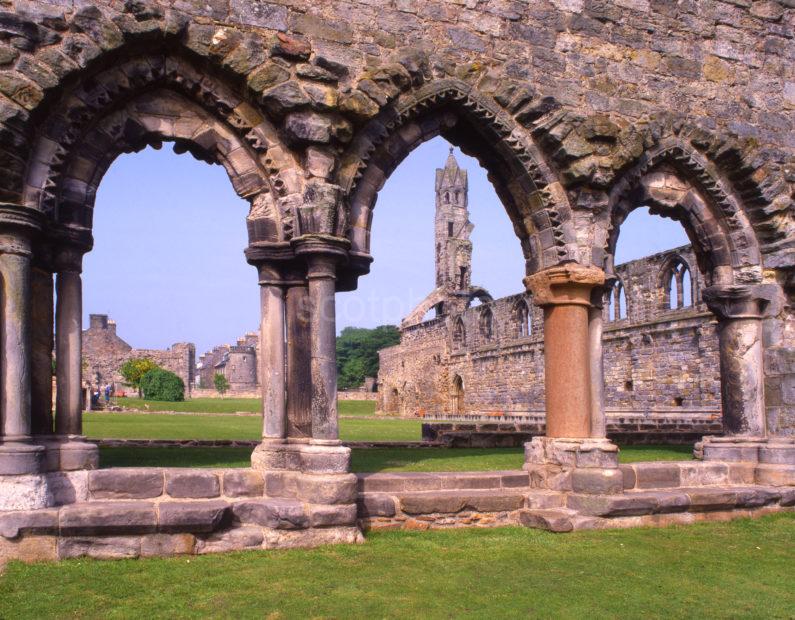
(658, 360)
(104, 353)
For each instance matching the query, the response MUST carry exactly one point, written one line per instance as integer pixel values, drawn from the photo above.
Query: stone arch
(526, 185)
(459, 333)
(616, 298)
(457, 394)
(523, 318)
(144, 101)
(677, 182)
(486, 324)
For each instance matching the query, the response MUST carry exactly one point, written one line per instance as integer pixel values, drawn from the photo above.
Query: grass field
(371, 459)
(232, 405)
(718, 570)
(162, 426)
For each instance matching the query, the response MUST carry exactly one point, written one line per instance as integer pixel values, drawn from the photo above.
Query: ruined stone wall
(657, 360)
(104, 353)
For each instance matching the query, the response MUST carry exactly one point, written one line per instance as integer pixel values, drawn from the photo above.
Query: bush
(221, 383)
(133, 371)
(161, 384)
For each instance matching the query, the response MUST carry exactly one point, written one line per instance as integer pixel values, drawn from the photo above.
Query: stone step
(550, 519)
(376, 504)
(692, 499)
(421, 481)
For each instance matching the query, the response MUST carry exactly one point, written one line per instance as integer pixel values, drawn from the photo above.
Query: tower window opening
(449, 229)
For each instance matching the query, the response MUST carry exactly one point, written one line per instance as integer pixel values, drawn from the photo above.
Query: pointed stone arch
(527, 186)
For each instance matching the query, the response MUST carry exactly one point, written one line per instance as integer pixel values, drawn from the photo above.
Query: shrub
(221, 383)
(133, 371)
(161, 384)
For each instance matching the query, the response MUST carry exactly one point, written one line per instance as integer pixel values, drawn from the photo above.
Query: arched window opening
(447, 198)
(487, 324)
(458, 395)
(523, 318)
(459, 334)
(678, 292)
(617, 303)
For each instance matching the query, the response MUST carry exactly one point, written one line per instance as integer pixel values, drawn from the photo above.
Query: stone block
(99, 547)
(283, 514)
(628, 472)
(206, 516)
(313, 537)
(44, 521)
(160, 545)
(68, 487)
(325, 460)
(777, 453)
(471, 481)
(243, 483)
(550, 520)
(235, 539)
(671, 501)
(756, 497)
(597, 481)
(703, 474)
(625, 505)
(787, 497)
(515, 479)
(326, 489)
(376, 505)
(494, 502)
(24, 492)
(192, 484)
(707, 499)
(334, 515)
(124, 483)
(28, 549)
(545, 499)
(775, 475)
(657, 475)
(108, 518)
(429, 503)
(741, 473)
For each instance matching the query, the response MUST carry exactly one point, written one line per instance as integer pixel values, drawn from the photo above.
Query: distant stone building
(660, 341)
(104, 353)
(238, 363)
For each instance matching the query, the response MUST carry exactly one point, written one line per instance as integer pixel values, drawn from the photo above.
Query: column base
(581, 465)
(20, 457)
(69, 453)
(773, 457)
(734, 449)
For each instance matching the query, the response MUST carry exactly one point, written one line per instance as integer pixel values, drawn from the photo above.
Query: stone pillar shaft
(325, 426)
(565, 293)
(16, 384)
(68, 352)
(740, 310)
(42, 345)
(299, 362)
(272, 363)
(595, 330)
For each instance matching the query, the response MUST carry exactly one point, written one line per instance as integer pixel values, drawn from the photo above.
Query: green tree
(357, 353)
(221, 383)
(134, 369)
(162, 384)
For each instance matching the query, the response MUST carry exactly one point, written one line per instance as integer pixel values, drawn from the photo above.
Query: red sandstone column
(595, 331)
(564, 292)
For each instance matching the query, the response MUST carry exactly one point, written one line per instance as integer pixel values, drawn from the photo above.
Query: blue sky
(169, 232)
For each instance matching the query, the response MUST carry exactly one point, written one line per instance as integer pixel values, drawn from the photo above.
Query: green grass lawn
(162, 426)
(232, 405)
(713, 570)
(370, 459)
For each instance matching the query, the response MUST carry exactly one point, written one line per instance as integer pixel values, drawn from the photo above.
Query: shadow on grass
(372, 459)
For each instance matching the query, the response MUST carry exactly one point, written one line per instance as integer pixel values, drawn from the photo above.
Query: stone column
(42, 345)
(272, 357)
(564, 293)
(323, 254)
(739, 310)
(17, 454)
(595, 332)
(75, 451)
(299, 364)
(574, 455)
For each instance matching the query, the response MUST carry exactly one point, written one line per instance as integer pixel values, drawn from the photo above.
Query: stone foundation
(142, 512)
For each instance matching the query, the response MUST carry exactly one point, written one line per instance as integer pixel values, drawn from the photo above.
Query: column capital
(68, 258)
(568, 284)
(323, 253)
(739, 301)
(18, 225)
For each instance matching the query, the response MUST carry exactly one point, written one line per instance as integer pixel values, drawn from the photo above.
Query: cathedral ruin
(484, 364)
(580, 110)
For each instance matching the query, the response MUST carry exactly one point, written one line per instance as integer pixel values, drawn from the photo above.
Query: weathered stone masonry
(580, 111)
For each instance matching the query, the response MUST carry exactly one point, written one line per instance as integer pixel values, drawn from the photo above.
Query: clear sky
(169, 232)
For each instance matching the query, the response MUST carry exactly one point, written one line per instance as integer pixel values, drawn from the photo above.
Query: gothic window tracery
(616, 302)
(459, 334)
(523, 318)
(487, 324)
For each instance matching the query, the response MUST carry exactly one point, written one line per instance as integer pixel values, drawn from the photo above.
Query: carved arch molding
(309, 141)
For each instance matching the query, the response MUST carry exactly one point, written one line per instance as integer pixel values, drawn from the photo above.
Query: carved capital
(323, 253)
(736, 301)
(68, 258)
(569, 284)
(18, 226)
(319, 212)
